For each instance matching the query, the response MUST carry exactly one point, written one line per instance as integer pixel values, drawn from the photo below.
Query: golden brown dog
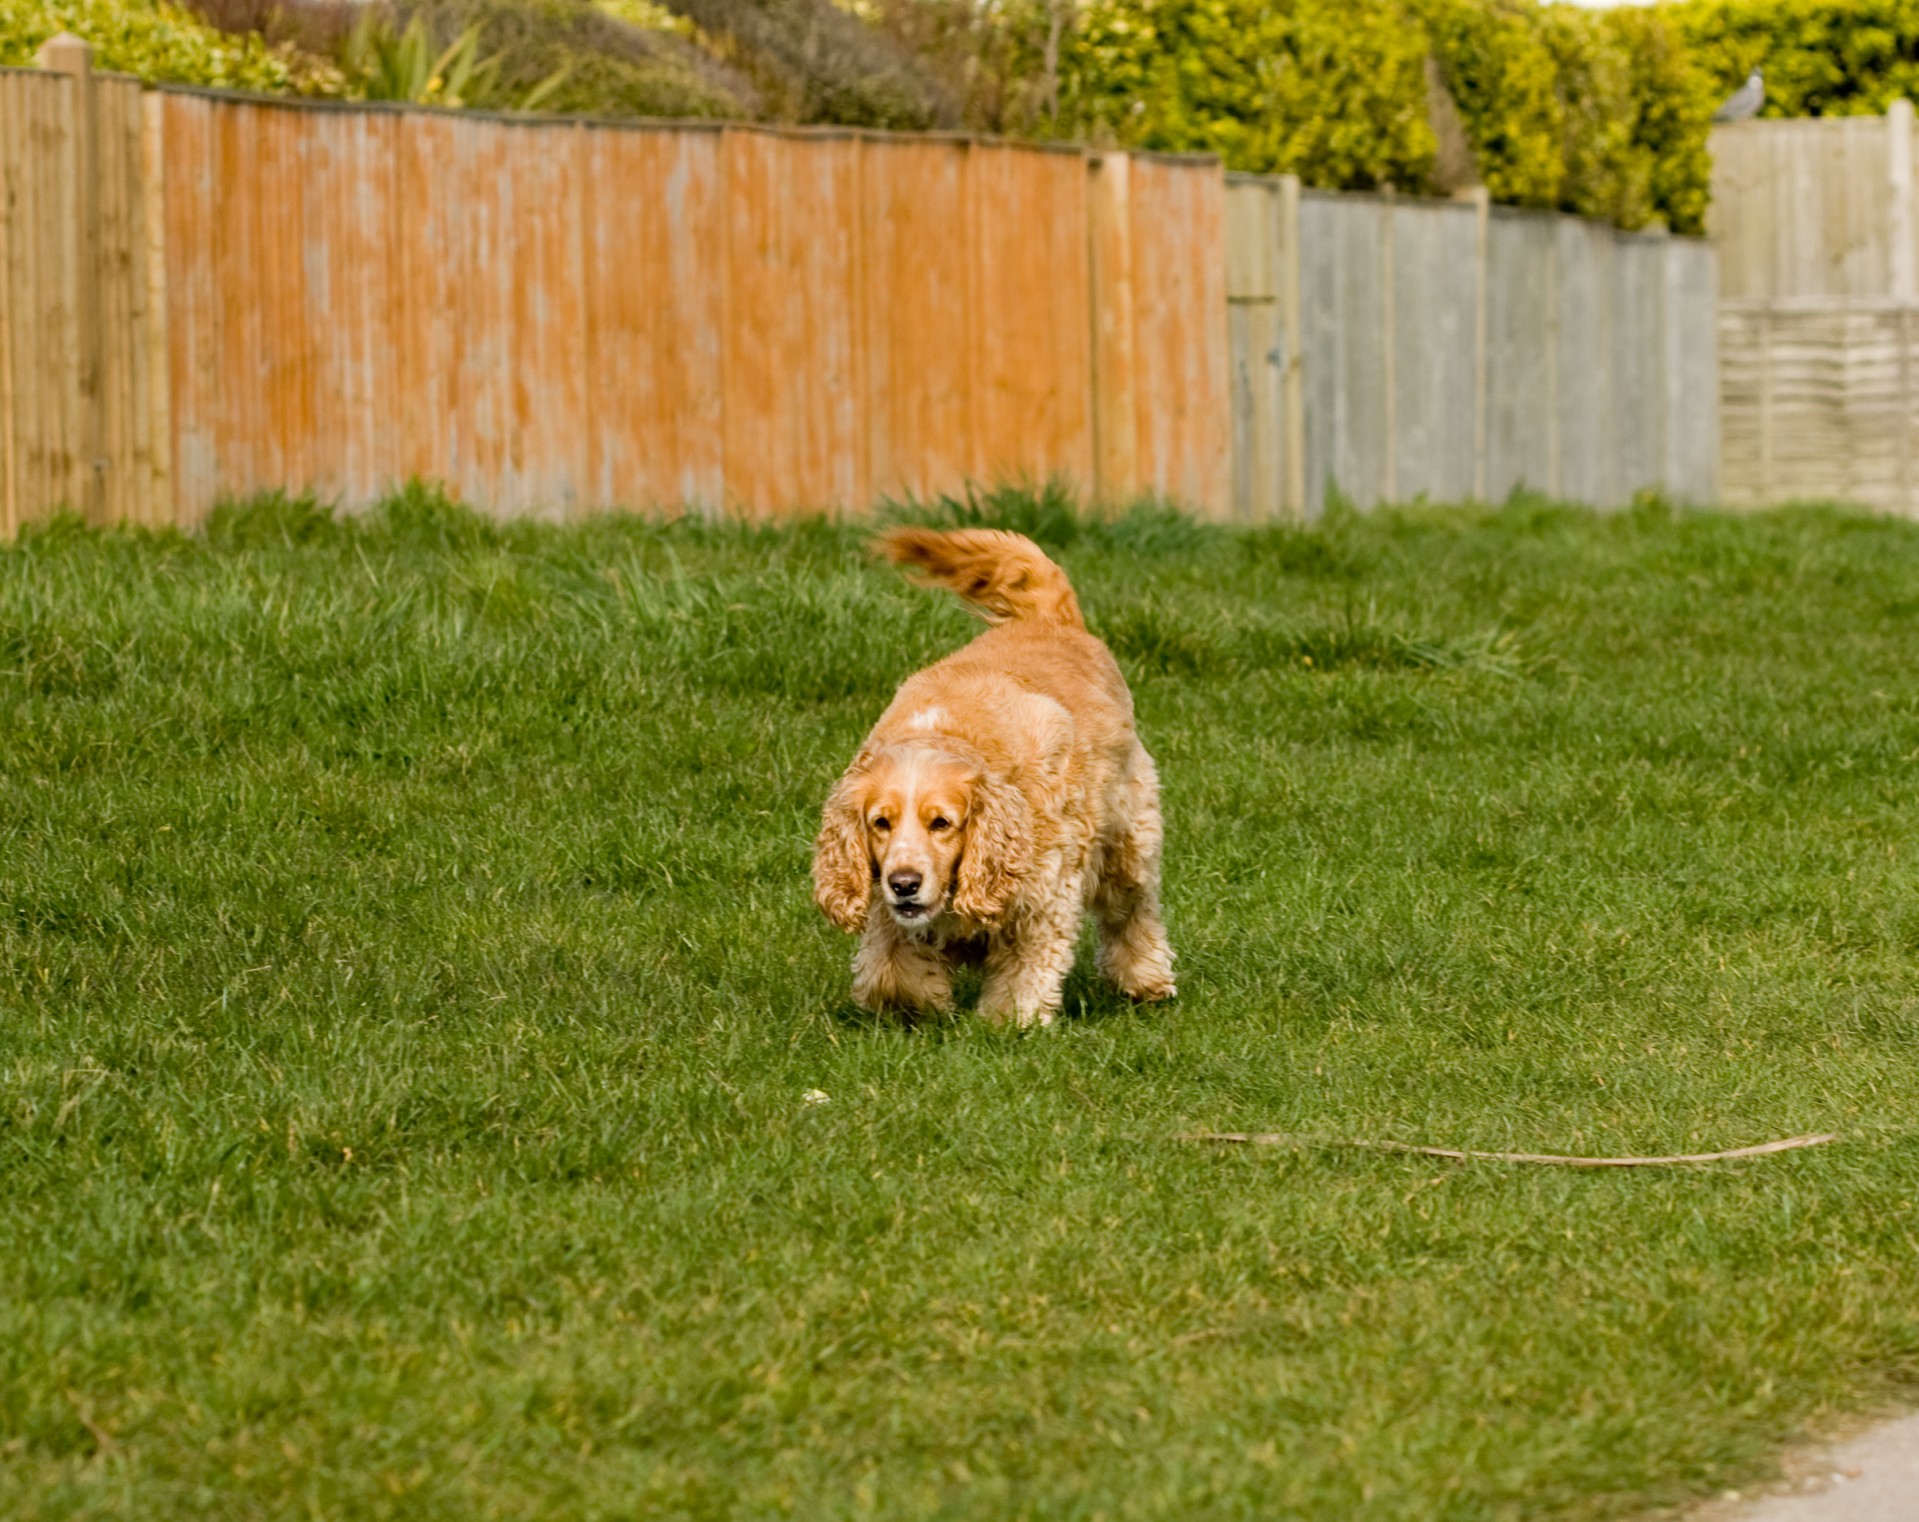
(1001, 795)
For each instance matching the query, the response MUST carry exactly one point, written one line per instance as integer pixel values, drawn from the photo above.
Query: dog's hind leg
(1134, 954)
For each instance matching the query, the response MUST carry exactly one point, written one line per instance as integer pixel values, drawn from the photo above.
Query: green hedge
(1821, 57)
(161, 42)
(1601, 113)
(1332, 90)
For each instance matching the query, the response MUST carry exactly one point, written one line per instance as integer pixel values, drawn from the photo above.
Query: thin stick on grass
(1280, 1139)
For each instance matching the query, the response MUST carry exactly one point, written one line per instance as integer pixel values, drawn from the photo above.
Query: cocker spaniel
(1001, 795)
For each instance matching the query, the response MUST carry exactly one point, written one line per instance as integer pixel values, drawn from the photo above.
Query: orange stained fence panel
(1032, 333)
(1110, 250)
(448, 357)
(41, 382)
(919, 315)
(655, 264)
(1180, 342)
(192, 300)
(795, 436)
(350, 306)
(550, 452)
(545, 316)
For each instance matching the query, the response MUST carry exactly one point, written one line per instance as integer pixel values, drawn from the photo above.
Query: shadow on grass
(1086, 997)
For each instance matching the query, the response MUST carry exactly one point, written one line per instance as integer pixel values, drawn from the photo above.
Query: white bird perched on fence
(1744, 103)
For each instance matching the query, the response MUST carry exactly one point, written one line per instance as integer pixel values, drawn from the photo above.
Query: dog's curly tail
(1006, 576)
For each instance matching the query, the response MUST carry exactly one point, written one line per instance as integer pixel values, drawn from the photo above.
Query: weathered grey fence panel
(1521, 323)
(1262, 304)
(1452, 350)
(1692, 370)
(1435, 356)
(1636, 365)
(1582, 422)
(1343, 347)
(1814, 207)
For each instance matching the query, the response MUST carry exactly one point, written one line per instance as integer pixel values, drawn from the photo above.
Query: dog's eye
(882, 823)
(940, 822)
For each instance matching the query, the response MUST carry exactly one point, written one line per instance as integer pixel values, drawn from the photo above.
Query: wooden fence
(1818, 242)
(207, 297)
(1393, 348)
(203, 296)
(1815, 206)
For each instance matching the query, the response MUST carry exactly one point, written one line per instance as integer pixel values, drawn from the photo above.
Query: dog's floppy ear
(998, 854)
(842, 874)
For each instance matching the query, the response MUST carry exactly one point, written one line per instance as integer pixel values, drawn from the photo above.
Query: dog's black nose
(904, 884)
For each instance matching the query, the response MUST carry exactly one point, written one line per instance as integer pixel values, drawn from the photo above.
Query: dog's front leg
(1026, 967)
(894, 972)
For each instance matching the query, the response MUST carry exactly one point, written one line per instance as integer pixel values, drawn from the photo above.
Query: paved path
(1873, 1477)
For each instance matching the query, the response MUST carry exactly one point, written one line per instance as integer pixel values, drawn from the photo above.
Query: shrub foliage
(1603, 113)
(1821, 57)
(161, 42)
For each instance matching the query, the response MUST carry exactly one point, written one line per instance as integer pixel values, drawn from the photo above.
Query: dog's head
(924, 828)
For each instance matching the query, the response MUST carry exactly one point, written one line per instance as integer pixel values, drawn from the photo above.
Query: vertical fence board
(1344, 291)
(654, 247)
(1032, 344)
(542, 241)
(125, 446)
(1115, 382)
(1692, 372)
(336, 259)
(1582, 429)
(441, 334)
(1522, 310)
(1435, 332)
(1254, 280)
(194, 311)
(1636, 337)
(45, 295)
(793, 435)
(163, 509)
(1180, 325)
(913, 198)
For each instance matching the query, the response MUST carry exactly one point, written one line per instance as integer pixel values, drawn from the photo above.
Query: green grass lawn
(409, 984)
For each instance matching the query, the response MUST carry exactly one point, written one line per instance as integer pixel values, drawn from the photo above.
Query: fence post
(1292, 380)
(158, 486)
(1109, 221)
(1482, 202)
(1899, 257)
(1389, 348)
(68, 55)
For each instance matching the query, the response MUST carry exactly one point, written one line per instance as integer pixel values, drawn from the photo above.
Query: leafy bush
(1601, 114)
(1331, 90)
(605, 66)
(162, 42)
(1821, 57)
(813, 62)
(388, 63)
(1673, 97)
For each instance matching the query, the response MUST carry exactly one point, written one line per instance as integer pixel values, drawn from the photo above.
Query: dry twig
(1280, 1139)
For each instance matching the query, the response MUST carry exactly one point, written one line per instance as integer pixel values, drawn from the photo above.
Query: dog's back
(1040, 638)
